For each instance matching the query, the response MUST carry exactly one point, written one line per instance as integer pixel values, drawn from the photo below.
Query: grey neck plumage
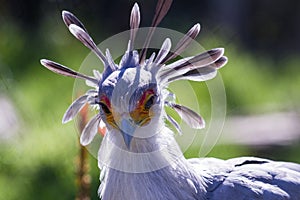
(154, 168)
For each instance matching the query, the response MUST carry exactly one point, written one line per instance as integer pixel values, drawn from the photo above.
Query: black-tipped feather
(69, 19)
(183, 43)
(86, 39)
(201, 74)
(201, 60)
(161, 10)
(189, 116)
(134, 24)
(60, 69)
(179, 68)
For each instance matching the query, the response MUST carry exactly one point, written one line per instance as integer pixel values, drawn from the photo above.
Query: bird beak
(127, 129)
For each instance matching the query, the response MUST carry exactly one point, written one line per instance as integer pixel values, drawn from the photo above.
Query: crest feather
(161, 10)
(184, 42)
(134, 24)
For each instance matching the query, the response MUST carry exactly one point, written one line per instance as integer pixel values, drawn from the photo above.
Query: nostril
(127, 117)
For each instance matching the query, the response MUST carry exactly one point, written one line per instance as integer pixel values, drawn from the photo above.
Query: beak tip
(127, 130)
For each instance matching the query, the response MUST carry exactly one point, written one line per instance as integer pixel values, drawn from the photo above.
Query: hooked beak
(127, 129)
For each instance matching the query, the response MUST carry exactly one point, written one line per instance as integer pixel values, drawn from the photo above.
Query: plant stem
(83, 181)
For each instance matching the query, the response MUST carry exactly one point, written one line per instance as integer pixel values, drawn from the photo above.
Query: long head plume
(200, 67)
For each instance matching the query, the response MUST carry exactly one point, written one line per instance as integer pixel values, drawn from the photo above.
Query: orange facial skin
(107, 110)
(142, 114)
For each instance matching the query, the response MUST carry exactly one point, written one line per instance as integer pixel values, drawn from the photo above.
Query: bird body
(139, 157)
(216, 179)
(206, 178)
(249, 178)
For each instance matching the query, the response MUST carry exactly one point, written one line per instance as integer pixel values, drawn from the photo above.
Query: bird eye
(149, 103)
(104, 108)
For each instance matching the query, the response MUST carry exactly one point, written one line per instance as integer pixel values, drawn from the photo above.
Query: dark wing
(249, 178)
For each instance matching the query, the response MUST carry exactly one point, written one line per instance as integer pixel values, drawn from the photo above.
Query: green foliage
(257, 84)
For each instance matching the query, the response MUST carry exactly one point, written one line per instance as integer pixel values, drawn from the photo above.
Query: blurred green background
(38, 155)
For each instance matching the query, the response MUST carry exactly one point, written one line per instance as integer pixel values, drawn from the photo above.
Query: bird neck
(152, 164)
(144, 155)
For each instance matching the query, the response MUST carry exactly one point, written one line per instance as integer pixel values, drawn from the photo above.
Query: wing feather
(249, 177)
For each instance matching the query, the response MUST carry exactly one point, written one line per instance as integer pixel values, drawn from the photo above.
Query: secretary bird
(139, 157)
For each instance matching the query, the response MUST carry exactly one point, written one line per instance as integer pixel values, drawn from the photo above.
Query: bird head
(130, 102)
(132, 94)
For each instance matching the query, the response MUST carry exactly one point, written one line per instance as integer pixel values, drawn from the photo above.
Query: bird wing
(249, 178)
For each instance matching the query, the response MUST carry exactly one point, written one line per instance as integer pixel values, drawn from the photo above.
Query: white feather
(74, 108)
(90, 130)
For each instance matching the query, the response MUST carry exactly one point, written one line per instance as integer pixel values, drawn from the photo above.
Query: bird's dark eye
(149, 103)
(104, 108)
